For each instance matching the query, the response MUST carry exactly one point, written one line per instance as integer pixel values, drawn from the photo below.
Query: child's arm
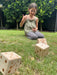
(23, 20)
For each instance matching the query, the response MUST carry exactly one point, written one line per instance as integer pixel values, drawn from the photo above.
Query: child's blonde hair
(33, 5)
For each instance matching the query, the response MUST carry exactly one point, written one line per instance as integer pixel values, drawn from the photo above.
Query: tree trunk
(17, 25)
(40, 26)
(1, 24)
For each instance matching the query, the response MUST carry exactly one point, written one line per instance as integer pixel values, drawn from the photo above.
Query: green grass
(13, 40)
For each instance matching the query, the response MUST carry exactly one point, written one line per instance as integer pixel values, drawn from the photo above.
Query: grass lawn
(31, 64)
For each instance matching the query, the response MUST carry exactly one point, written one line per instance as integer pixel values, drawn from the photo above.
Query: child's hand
(34, 29)
(23, 20)
(24, 17)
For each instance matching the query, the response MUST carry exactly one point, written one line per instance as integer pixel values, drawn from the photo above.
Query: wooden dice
(41, 48)
(42, 40)
(9, 62)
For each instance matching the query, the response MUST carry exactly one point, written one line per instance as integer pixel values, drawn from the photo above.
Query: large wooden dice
(41, 40)
(9, 62)
(41, 49)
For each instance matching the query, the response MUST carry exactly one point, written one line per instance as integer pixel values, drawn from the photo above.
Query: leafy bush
(13, 9)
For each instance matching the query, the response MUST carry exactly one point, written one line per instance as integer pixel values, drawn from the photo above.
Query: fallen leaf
(32, 58)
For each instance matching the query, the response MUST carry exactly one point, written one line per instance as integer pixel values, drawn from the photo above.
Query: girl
(31, 23)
